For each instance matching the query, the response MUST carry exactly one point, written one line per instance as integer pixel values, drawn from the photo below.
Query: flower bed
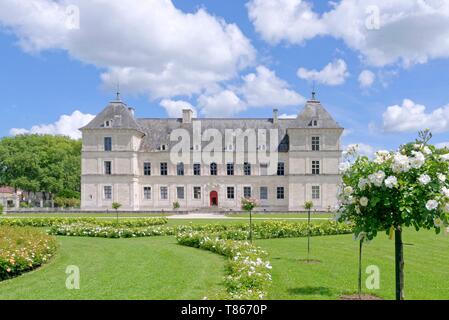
(48, 222)
(23, 249)
(264, 230)
(248, 270)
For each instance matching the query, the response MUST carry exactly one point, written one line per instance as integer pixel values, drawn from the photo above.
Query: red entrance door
(214, 198)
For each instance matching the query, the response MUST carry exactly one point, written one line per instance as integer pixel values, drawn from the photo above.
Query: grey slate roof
(157, 131)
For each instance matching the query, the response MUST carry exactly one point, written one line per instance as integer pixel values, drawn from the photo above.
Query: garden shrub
(23, 249)
(48, 222)
(1, 208)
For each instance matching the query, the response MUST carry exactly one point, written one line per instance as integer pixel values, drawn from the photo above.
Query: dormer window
(313, 123)
(108, 123)
(163, 147)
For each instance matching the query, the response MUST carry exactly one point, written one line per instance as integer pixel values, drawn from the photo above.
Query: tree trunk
(250, 226)
(360, 269)
(308, 235)
(399, 263)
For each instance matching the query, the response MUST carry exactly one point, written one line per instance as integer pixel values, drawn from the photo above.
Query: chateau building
(130, 161)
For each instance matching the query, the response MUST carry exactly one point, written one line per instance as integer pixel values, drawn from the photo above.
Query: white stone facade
(119, 175)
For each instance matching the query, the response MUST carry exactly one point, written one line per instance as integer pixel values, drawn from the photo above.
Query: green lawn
(143, 268)
(426, 266)
(158, 268)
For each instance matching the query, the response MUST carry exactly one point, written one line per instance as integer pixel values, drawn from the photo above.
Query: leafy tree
(116, 206)
(41, 163)
(248, 205)
(408, 188)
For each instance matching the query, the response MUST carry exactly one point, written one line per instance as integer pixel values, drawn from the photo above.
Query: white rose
(401, 163)
(445, 191)
(348, 190)
(424, 179)
(382, 156)
(363, 201)
(344, 166)
(445, 157)
(427, 150)
(417, 160)
(441, 177)
(357, 210)
(391, 182)
(431, 205)
(363, 183)
(377, 178)
(438, 222)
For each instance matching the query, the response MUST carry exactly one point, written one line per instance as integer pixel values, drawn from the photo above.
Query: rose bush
(48, 222)
(23, 249)
(248, 270)
(408, 187)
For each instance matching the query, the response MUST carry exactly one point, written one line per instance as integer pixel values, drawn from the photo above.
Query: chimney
(131, 111)
(187, 115)
(275, 116)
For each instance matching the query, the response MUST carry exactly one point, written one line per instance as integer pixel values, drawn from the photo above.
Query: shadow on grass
(308, 291)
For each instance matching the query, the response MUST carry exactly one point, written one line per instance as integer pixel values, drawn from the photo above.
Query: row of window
(108, 144)
(230, 193)
(213, 169)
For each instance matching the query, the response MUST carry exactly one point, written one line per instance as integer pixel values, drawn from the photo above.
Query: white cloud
(264, 88)
(174, 107)
(288, 116)
(410, 117)
(333, 74)
(366, 78)
(67, 125)
(149, 46)
(384, 31)
(222, 104)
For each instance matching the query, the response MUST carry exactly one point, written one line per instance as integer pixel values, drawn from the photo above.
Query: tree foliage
(41, 163)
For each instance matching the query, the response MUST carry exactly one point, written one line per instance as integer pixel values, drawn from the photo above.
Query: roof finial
(313, 91)
(118, 91)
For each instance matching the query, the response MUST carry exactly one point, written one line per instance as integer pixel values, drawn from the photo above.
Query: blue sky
(47, 72)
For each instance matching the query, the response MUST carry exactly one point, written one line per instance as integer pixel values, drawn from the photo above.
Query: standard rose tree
(248, 205)
(404, 188)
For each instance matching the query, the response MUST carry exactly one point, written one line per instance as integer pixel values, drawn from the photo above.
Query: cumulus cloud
(333, 74)
(264, 88)
(169, 53)
(366, 78)
(411, 117)
(174, 107)
(222, 104)
(67, 125)
(383, 31)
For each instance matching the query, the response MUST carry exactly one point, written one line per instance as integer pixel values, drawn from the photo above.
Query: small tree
(404, 188)
(116, 206)
(176, 205)
(248, 205)
(308, 205)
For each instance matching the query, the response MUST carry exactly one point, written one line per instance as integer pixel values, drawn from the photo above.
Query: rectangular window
(164, 169)
(315, 167)
(147, 193)
(315, 192)
(108, 193)
(107, 144)
(230, 169)
(230, 193)
(180, 192)
(263, 193)
(196, 169)
(180, 169)
(108, 167)
(263, 169)
(315, 143)
(247, 192)
(147, 169)
(280, 193)
(197, 193)
(164, 193)
(247, 169)
(213, 169)
(281, 169)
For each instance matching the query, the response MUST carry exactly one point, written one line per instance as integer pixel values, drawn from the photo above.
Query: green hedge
(48, 222)
(23, 249)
